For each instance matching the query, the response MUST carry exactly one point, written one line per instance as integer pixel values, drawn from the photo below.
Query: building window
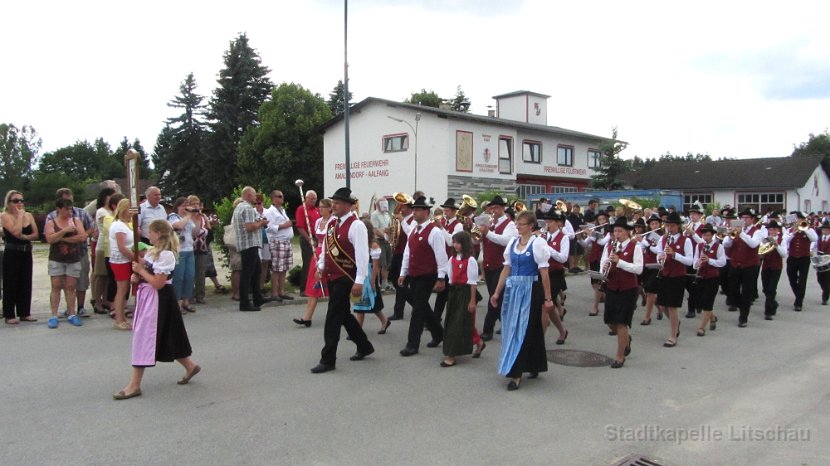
(396, 143)
(761, 202)
(565, 156)
(594, 159)
(689, 199)
(564, 189)
(525, 190)
(505, 154)
(532, 151)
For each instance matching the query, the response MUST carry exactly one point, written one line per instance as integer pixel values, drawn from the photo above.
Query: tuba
(395, 225)
(630, 207)
(768, 244)
(519, 206)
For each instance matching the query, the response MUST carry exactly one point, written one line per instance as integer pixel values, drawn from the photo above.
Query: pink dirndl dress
(317, 288)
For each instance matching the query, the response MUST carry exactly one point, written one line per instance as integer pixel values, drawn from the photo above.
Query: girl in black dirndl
(622, 262)
(158, 328)
(460, 332)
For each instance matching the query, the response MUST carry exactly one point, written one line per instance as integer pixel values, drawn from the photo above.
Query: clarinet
(704, 252)
(662, 257)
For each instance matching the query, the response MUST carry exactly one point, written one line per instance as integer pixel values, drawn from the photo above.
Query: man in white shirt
(151, 209)
(280, 231)
(494, 239)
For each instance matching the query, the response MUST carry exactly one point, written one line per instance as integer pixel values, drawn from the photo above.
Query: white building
(404, 147)
(779, 183)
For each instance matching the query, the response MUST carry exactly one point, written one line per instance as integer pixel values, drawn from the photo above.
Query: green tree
(243, 87)
(815, 145)
(19, 149)
(178, 152)
(612, 165)
(144, 169)
(40, 195)
(337, 104)
(427, 99)
(286, 145)
(460, 103)
(82, 160)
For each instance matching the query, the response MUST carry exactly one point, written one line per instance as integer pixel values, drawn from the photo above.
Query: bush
(294, 276)
(224, 210)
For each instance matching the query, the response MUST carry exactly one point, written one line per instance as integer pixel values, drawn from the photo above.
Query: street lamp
(415, 132)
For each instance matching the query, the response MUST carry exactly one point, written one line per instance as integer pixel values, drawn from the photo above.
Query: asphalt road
(753, 396)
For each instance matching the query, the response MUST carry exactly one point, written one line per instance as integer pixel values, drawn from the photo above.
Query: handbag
(229, 237)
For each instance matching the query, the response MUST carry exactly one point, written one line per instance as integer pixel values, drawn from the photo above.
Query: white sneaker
(82, 313)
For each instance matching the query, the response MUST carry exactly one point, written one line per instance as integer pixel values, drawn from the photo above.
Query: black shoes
(320, 368)
(627, 349)
(408, 351)
(617, 364)
(714, 323)
(767, 317)
(797, 308)
(307, 323)
(690, 315)
(434, 343)
(250, 309)
(733, 309)
(561, 341)
(286, 297)
(361, 356)
(486, 336)
(741, 324)
(513, 386)
(395, 317)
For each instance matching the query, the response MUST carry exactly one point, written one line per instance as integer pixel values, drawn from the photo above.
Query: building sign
(566, 170)
(363, 169)
(463, 151)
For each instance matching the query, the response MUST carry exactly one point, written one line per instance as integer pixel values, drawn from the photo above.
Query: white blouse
(164, 264)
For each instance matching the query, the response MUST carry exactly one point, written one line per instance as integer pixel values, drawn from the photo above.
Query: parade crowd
(653, 257)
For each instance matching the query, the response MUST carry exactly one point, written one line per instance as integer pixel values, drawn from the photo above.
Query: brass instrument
(468, 206)
(561, 206)
(703, 255)
(395, 226)
(438, 218)
(519, 206)
(630, 207)
(768, 244)
(401, 199)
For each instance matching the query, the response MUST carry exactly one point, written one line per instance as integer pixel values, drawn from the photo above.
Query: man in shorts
(82, 283)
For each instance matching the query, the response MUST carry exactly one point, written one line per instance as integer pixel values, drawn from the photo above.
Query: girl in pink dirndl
(158, 328)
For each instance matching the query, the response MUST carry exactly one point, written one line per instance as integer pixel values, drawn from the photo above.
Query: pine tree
(144, 169)
(243, 87)
(336, 102)
(460, 103)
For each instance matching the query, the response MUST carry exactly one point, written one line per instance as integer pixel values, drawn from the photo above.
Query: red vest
(708, 271)
(741, 255)
(421, 256)
(673, 267)
(494, 253)
(555, 242)
(596, 251)
(618, 279)
(799, 245)
(772, 259)
(400, 246)
(648, 256)
(341, 233)
(823, 246)
(459, 270)
(450, 227)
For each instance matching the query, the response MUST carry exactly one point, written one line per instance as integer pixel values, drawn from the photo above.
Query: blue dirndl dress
(522, 336)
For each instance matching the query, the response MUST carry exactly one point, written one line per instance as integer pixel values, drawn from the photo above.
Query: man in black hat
(799, 242)
(623, 261)
(728, 216)
(771, 268)
(710, 257)
(344, 260)
(494, 239)
(692, 230)
(822, 246)
(449, 225)
(649, 275)
(744, 264)
(398, 233)
(676, 252)
(424, 269)
(559, 247)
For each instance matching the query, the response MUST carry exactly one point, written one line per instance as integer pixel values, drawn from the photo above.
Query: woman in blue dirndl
(526, 291)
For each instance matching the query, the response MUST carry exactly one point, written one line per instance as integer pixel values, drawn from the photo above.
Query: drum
(821, 262)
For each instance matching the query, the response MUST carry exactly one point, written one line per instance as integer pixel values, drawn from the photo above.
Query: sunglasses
(16, 201)
(278, 195)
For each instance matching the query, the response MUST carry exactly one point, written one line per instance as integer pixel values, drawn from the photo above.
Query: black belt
(18, 247)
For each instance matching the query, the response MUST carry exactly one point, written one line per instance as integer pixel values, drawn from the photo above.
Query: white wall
(549, 167)
(814, 194)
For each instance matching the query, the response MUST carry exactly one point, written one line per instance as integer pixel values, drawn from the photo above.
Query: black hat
(674, 217)
(343, 194)
(622, 223)
(610, 209)
(774, 224)
(707, 228)
(554, 214)
(662, 210)
(825, 224)
(603, 213)
(421, 203)
(497, 201)
(798, 214)
(773, 215)
(748, 212)
(729, 214)
(450, 204)
(654, 218)
(697, 208)
(641, 223)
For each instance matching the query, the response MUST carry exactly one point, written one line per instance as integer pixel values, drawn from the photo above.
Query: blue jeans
(184, 275)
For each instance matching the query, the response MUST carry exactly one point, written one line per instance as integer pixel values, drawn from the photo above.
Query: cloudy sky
(729, 79)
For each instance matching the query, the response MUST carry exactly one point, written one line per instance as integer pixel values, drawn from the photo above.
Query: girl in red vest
(709, 259)
(622, 260)
(460, 332)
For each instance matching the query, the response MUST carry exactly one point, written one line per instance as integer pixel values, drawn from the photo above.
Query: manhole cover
(639, 460)
(578, 358)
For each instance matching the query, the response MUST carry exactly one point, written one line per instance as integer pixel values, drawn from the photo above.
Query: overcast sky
(728, 79)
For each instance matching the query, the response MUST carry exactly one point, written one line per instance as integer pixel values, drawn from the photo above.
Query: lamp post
(415, 132)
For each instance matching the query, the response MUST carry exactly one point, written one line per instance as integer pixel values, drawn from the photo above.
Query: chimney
(444, 106)
(491, 113)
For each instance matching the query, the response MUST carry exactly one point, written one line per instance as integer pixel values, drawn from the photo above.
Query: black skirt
(707, 291)
(620, 306)
(670, 291)
(533, 356)
(649, 280)
(171, 340)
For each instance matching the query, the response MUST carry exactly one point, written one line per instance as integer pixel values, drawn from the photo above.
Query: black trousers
(691, 288)
(491, 277)
(797, 270)
(824, 282)
(401, 292)
(249, 278)
(111, 285)
(742, 284)
(769, 284)
(17, 284)
(421, 288)
(306, 251)
(724, 282)
(441, 301)
(339, 315)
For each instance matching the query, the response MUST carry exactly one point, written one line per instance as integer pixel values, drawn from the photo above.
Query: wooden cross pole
(131, 159)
